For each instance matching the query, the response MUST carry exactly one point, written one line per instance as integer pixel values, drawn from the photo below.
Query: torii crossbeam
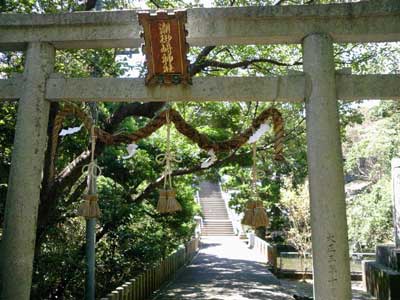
(316, 27)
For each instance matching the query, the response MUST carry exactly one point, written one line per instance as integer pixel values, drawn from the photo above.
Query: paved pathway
(226, 269)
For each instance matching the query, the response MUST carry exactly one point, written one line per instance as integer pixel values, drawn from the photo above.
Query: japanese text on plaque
(166, 48)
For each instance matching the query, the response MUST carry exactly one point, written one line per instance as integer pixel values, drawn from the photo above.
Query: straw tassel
(90, 207)
(167, 202)
(255, 214)
(248, 217)
(260, 216)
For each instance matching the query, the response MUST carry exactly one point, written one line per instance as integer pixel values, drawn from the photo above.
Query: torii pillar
(331, 264)
(25, 178)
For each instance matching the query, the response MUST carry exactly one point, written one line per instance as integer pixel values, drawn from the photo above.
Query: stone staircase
(216, 219)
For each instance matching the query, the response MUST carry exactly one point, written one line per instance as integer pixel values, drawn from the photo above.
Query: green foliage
(7, 125)
(370, 216)
(369, 149)
(295, 204)
(132, 235)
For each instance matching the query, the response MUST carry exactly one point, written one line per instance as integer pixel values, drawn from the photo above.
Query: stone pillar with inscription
(331, 264)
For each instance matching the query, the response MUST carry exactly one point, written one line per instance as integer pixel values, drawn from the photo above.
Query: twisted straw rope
(169, 157)
(202, 140)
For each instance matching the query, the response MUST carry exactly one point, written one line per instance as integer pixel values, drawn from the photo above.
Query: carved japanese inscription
(165, 47)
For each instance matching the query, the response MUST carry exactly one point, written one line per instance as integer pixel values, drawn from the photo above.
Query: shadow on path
(225, 269)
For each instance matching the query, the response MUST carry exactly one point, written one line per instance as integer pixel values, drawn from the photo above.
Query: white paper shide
(259, 133)
(71, 130)
(131, 148)
(210, 160)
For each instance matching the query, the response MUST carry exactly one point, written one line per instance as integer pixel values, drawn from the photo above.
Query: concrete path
(225, 269)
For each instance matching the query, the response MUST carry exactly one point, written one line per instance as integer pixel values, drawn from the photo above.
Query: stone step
(219, 222)
(218, 231)
(216, 220)
(210, 207)
(216, 216)
(218, 227)
(219, 234)
(225, 219)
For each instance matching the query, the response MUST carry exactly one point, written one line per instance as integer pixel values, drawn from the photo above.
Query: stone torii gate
(316, 27)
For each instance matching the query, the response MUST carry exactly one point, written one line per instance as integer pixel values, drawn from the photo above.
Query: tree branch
(196, 66)
(245, 63)
(71, 173)
(132, 110)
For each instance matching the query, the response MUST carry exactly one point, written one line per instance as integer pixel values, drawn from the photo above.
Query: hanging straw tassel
(172, 204)
(255, 214)
(248, 218)
(90, 207)
(167, 202)
(162, 201)
(260, 216)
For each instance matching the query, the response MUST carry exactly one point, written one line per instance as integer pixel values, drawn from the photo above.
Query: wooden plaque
(165, 47)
